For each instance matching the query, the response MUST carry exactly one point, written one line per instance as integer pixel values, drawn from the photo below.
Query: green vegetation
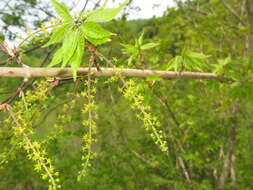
(153, 133)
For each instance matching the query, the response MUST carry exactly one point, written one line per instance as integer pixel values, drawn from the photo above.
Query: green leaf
(57, 58)
(224, 62)
(105, 15)
(221, 66)
(128, 49)
(194, 60)
(196, 55)
(140, 40)
(94, 31)
(149, 46)
(57, 36)
(2, 38)
(77, 58)
(97, 42)
(130, 60)
(193, 63)
(175, 63)
(69, 45)
(63, 12)
(135, 50)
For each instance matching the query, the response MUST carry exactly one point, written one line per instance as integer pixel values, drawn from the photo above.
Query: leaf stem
(80, 15)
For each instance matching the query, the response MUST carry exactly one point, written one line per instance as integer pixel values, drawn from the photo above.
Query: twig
(80, 15)
(36, 32)
(97, 4)
(23, 85)
(233, 12)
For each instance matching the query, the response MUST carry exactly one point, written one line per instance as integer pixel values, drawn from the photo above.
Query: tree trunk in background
(228, 164)
(248, 43)
(233, 172)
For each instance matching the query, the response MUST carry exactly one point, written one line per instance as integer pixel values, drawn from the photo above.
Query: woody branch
(30, 72)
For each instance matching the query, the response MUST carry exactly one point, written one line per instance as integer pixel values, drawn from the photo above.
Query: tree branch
(30, 72)
(233, 12)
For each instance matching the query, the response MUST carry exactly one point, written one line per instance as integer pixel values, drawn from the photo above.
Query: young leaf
(224, 62)
(196, 55)
(57, 36)
(193, 63)
(140, 40)
(149, 46)
(220, 67)
(194, 60)
(69, 45)
(128, 49)
(105, 15)
(97, 42)
(136, 50)
(63, 12)
(95, 31)
(175, 63)
(57, 58)
(77, 58)
(130, 60)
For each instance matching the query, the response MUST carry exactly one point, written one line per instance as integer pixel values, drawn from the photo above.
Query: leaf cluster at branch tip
(73, 35)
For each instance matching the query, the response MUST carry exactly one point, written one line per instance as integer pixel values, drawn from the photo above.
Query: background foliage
(207, 124)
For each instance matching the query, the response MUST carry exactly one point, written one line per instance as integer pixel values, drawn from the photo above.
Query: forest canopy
(94, 100)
